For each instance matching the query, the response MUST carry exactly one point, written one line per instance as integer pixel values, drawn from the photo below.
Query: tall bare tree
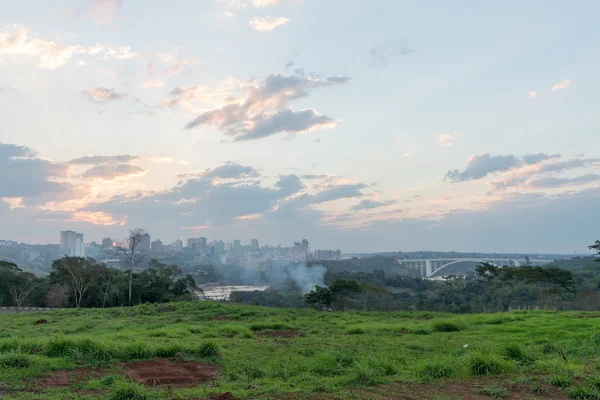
(130, 250)
(17, 284)
(80, 274)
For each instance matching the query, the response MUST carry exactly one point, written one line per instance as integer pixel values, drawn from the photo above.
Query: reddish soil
(290, 333)
(65, 378)
(223, 396)
(41, 321)
(465, 390)
(167, 372)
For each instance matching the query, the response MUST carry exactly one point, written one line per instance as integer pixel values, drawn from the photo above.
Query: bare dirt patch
(41, 321)
(167, 372)
(220, 318)
(587, 316)
(222, 396)
(290, 333)
(66, 378)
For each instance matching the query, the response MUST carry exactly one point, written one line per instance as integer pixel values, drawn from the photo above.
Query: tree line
(84, 282)
(489, 288)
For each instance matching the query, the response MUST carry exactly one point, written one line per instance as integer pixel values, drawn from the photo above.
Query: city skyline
(448, 129)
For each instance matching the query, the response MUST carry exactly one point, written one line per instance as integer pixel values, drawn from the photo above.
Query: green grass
(494, 392)
(335, 353)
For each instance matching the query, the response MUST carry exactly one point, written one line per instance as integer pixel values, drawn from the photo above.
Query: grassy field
(289, 353)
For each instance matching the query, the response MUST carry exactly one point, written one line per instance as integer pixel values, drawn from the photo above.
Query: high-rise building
(71, 244)
(144, 245)
(238, 250)
(178, 245)
(67, 240)
(203, 244)
(107, 243)
(254, 244)
(157, 246)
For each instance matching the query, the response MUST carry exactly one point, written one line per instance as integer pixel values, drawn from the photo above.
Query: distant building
(107, 243)
(254, 244)
(157, 246)
(71, 244)
(327, 255)
(178, 245)
(145, 244)
(238, 250)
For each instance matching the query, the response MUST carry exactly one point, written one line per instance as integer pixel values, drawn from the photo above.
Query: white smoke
(307, 277)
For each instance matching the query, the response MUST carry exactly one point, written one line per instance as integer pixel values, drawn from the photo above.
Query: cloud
(264, 111)
(15, 44)
(264, 3)
(379, 56)
(289, 64)
(553, 182)
(153, 83)
(283, 121)
(104, 11)
(533, 94)
(102, 94)
(267, 24)
(540, 169)
(96, 160)
(536, 158)
(481, 165)
(109, 172)
(447, 140)
(230, 170)
(369, 204)
(562, 85)
(337, 192)
(311, 176)
(25, 175)
(290, 184)
(177, 65)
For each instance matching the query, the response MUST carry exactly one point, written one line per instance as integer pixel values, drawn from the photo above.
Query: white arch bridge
(430, 267)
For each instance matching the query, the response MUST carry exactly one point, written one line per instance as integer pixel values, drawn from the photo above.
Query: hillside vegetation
(296, 353)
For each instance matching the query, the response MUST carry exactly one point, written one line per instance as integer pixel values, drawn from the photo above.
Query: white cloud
(264, 3)
(152, 83)
(15, 43)
(447, 140)
(267, 24)
(103, 94)
(533, 94)
(562, 85)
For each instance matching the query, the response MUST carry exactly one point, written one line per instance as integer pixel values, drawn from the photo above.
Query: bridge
(430, 267)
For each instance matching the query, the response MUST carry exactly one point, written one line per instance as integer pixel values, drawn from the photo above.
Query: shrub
(561, 381)
(355, 331)
(273, 326)
(596, 338)
(494, 392)
(582, 392)
(549, 348)
(136, 351)
(594, 383)
(15, 360)
(446, 327)
(436, 368)
(59, 346)
(364, 373)
(20, 346)
(485, 364)
(169, 350)
(130, 391)
(208, 349)
(515, 352)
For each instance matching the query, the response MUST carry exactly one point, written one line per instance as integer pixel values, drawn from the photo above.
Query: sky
(361, 125)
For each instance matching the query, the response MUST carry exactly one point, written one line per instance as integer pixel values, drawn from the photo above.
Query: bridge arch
(463, 260)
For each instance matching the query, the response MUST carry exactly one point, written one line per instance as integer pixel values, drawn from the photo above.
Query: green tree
(596, 246)
(321, 298)
(17, 284)
(78, 273)
(341, 290)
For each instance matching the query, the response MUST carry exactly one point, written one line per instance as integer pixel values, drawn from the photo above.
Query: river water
(214, 292)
